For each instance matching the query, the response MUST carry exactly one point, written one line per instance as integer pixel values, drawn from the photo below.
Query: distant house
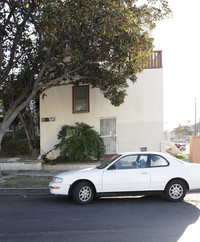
(183, 133)
(137, 125)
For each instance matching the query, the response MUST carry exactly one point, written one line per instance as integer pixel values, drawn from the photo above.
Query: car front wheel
(83, 193)
(175, 191)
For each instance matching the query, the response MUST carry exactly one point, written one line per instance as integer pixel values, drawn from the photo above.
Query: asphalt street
(51, 218)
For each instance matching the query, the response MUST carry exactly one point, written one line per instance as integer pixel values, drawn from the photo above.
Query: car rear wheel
(175, 191)
(83, 193)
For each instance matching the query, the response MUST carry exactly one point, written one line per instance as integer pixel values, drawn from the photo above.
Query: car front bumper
(59, 188)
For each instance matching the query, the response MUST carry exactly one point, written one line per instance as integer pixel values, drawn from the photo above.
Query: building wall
(195, 149)
(139, 119)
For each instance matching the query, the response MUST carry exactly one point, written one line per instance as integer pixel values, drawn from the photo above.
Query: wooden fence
(154, 60)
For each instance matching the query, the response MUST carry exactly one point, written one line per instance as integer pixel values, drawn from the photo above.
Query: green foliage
(102, 43)
(181, 156)
(99, 42)
(107, 41)
(63, 160)
(12, 148)
(80, 143)
(58, 160)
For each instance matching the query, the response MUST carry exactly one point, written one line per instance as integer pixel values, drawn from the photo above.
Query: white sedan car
(129, 174)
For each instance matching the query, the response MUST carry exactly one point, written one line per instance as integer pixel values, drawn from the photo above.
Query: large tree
(45, 43)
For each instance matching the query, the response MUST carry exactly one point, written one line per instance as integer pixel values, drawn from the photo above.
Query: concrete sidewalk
(37, 165)
(30, 172)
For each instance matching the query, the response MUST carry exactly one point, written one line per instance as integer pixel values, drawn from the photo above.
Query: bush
(80, 143)
(12, 148)
(181, 156)
(58, 160)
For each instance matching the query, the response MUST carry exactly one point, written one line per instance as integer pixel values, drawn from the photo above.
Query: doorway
(108, 134)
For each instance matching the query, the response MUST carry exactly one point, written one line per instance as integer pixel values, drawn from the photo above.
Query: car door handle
(144, 173)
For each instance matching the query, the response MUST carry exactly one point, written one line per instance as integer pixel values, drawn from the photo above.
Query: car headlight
(57, 179)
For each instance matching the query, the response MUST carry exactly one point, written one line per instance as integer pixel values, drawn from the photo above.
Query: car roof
(142, 152)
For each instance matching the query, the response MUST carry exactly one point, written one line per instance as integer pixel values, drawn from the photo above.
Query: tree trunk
(14, 110)
(32, 127)
(1, 136)
(26, 131)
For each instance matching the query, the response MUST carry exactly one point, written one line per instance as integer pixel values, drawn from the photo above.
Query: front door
(108, 134)
(128, 174)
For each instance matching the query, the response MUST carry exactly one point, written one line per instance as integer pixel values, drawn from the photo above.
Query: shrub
(58, 160)
(181, 156)
(11, 148)
(80, 143)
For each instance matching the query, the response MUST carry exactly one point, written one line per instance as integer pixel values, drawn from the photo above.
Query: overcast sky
(179, 39)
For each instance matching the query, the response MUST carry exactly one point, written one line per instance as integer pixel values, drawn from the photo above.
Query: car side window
(142, 162)
(157, 161)
(132, 162)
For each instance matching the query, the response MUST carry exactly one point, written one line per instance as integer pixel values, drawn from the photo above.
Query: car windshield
(107, 162)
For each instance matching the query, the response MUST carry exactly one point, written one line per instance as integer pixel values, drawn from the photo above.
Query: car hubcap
(85, 193)
(176, 191)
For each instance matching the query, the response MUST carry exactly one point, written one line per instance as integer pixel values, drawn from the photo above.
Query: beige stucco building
(135, 125)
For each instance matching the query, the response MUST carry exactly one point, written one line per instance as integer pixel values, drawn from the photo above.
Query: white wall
(139, 119)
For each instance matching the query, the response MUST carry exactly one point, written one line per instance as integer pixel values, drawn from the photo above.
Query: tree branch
(1, 56)
(16, 39)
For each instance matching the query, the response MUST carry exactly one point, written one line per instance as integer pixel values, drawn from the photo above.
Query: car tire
(83, 193)
(175, 191)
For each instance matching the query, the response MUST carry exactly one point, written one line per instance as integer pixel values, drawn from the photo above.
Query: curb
(24, 192)
(46, 192)
(194, 191)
